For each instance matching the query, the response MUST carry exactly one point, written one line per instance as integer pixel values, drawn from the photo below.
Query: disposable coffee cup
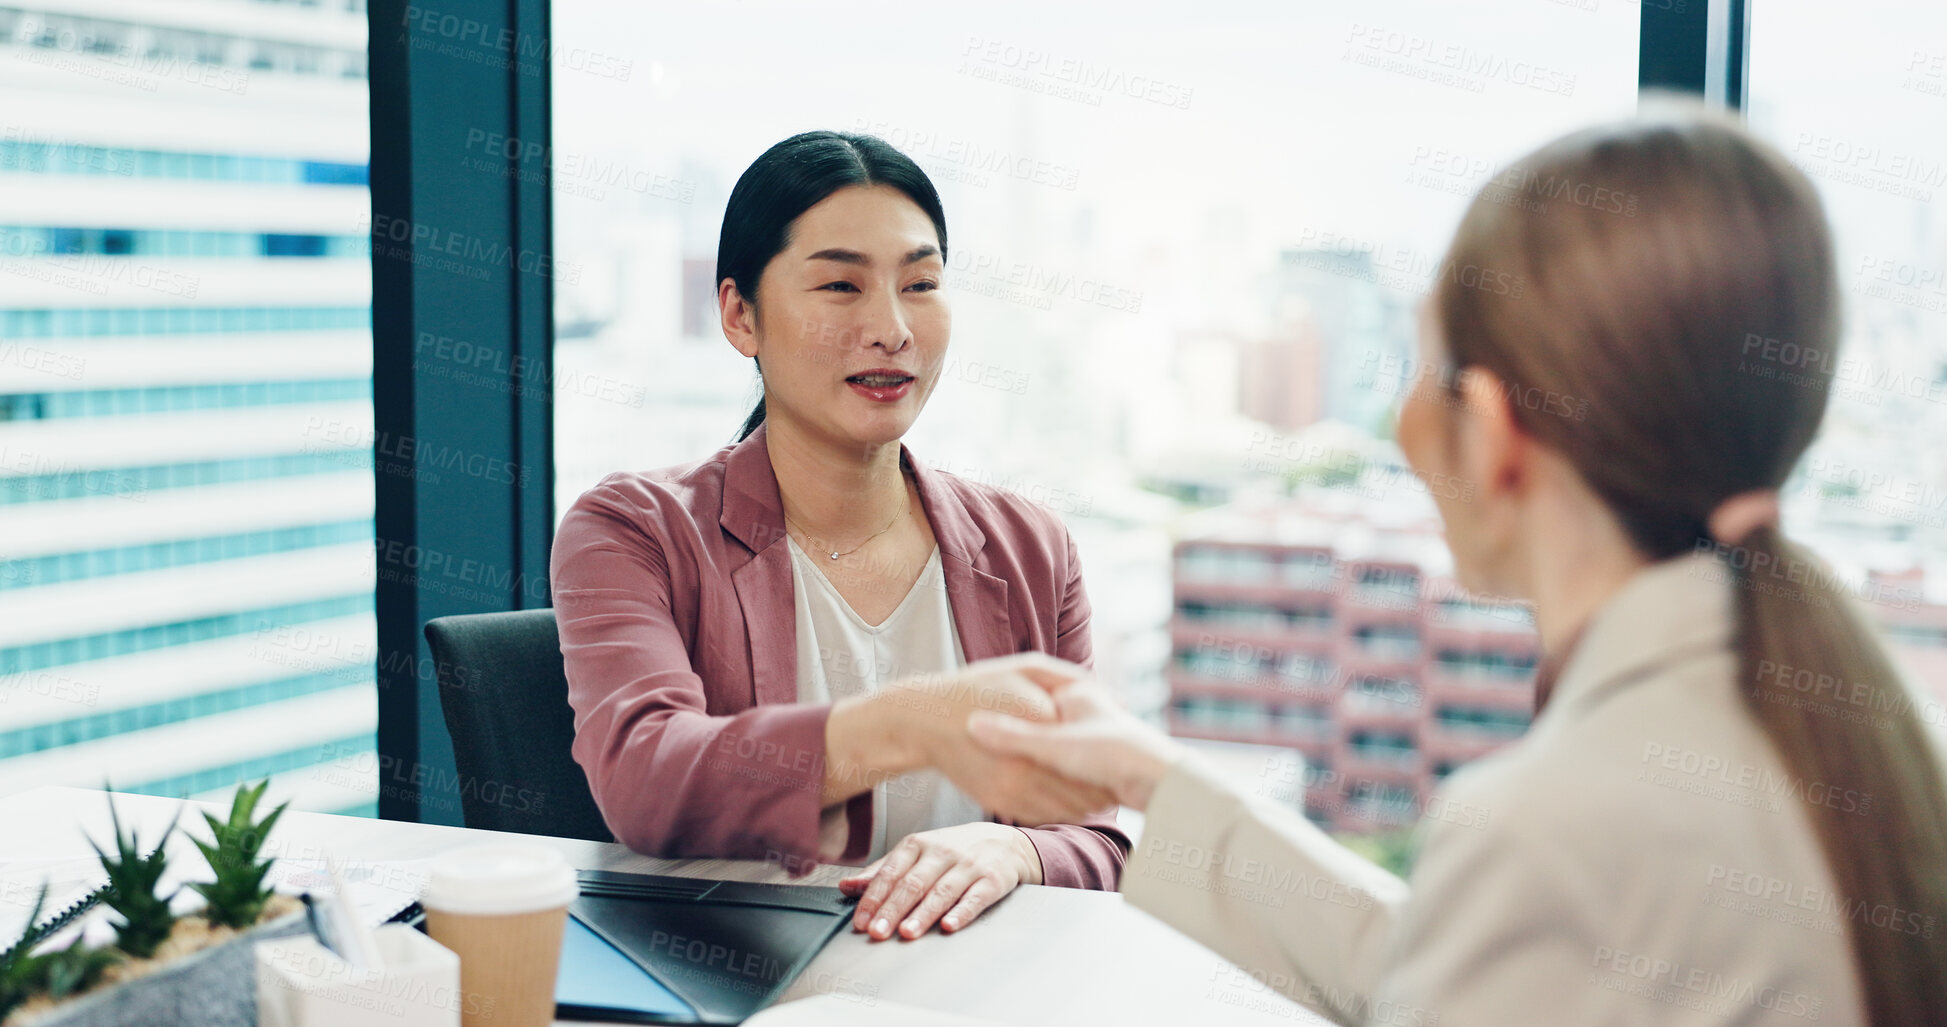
(502, 909)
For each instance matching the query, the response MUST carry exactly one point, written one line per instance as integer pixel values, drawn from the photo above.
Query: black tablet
(712, 952)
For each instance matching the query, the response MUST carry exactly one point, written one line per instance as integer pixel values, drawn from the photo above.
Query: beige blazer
(1640, 857)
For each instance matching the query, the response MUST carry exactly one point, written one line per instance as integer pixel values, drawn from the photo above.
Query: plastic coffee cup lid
(504, 877)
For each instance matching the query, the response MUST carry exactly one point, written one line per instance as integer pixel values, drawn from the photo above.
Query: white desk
(1055, 956)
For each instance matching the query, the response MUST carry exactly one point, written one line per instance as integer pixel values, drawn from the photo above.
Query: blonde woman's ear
(1496, 434)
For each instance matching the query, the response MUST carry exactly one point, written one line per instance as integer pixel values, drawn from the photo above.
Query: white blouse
(840, 655)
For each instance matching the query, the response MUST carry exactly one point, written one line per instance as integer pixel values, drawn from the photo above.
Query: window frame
(422, 104)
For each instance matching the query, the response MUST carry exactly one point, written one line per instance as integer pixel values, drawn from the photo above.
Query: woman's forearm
(867, 740)
(921, 722)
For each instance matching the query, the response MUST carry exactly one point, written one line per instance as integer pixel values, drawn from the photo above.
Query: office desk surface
(1042, 956)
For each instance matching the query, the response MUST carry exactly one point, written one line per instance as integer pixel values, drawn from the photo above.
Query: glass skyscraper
(185, 399)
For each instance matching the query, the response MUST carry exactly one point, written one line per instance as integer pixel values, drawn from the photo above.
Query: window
(1373, 694)
(1487, 664)
(1464, 722)
(1856, 96)
(1184, 255)
(1385, 747)
(185, 403)
(1387, 641)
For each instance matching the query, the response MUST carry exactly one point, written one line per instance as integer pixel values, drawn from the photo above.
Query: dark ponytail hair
(791, 178)
(1643, 304)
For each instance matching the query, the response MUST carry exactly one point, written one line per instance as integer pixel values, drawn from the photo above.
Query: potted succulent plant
(56, 974)
(74, 970)
(237, 897)
(162, 968)
(147, 921)
(19, 972)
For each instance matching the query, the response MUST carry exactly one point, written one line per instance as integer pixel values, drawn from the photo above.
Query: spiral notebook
(379, 891)
(49, 925)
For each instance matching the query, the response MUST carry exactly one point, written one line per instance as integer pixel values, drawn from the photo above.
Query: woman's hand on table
(947, 876)
(1095, 742)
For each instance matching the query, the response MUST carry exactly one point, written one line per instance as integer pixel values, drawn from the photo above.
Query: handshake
(1028, 737)
(1032, 738)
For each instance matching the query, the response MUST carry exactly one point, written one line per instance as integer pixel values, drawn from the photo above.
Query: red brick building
(1384, 676)
(1381, 672)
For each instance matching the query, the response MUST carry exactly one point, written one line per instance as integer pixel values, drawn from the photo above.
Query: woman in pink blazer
(772, 653)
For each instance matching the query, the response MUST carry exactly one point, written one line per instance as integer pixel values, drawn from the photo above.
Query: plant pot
(212, 987)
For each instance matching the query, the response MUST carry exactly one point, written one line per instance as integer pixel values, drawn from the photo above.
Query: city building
(1356, 298)
(186, 539)
(1282, 383)
(1373, 665)
(1328, 622)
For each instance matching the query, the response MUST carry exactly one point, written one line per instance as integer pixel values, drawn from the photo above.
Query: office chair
(505, 698)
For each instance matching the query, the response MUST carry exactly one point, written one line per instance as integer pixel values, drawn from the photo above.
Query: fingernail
(951, 923)
(881, 927)
(911, 928)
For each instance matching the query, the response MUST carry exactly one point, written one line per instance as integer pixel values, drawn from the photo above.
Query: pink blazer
(678, 627)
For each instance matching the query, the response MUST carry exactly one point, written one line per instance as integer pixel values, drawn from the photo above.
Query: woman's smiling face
(851, 326)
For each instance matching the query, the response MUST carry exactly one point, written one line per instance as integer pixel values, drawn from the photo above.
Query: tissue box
(300, 983)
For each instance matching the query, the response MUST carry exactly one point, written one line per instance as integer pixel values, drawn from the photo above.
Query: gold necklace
(835, 554)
